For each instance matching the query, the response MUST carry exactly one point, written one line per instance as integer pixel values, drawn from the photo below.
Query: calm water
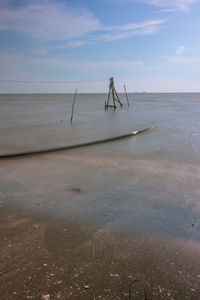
(148, 183)
(30, 122)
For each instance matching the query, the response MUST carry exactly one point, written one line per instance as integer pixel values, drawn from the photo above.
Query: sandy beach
(99, 150)
(48, 247)
(41, 256)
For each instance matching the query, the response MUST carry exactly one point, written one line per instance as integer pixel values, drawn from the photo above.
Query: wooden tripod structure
(115, 96)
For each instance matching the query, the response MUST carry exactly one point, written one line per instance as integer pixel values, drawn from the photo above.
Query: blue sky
(151, 45)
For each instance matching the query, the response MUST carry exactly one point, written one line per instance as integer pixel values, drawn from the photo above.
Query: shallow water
(34, 122)
(148, 183)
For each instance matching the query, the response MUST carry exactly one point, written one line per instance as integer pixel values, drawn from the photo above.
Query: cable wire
(52, 81)
(43, 151)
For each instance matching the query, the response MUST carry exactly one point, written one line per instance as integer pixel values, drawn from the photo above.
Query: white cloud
(48, 20)
(169, 4)
(134, 26)
(52, 21)
(180, 50)
(125, 31)
(166, 10)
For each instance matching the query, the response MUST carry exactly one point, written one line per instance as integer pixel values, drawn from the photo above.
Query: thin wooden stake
(73, 105)
(108, 96)
(126, 95)
(113, 95)
(117, 97)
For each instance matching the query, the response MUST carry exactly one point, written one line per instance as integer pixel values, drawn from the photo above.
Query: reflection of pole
(73, 105)
(126, 95)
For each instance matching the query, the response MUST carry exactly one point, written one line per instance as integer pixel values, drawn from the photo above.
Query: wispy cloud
(182, 59)
(40, 51)
(180, 50)
(178, 58)
(73, 44)
(48, 20)
(21, 63)
(53, 21)
(125, 31)
(164, 10)
(169, 5)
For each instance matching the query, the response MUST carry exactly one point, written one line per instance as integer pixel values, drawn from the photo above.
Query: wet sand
(83, 227)
(43, 256)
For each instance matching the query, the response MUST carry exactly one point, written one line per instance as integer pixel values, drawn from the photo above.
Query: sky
(54, 45)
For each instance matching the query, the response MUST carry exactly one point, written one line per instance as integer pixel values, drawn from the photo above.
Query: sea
(149, 183)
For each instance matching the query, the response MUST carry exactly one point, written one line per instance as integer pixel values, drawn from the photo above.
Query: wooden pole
(73, 105)
(117, 97)
(113, 95)
(126, 95)
(108, 97)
